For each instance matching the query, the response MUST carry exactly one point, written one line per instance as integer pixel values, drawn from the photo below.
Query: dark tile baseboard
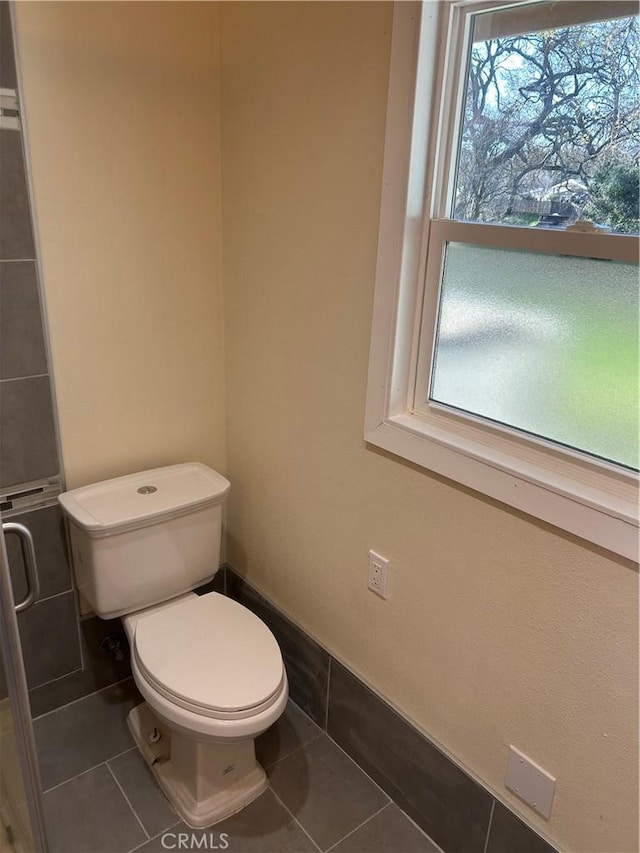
(449, 805)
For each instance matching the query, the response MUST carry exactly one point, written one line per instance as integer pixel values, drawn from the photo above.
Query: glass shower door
(21, 813)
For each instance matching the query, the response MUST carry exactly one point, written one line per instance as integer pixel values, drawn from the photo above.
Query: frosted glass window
(544, 344)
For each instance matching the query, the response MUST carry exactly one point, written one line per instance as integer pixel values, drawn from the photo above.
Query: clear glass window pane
(544, 344)
(551, 118)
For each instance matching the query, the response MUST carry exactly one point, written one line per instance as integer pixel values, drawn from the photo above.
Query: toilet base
(204, 781)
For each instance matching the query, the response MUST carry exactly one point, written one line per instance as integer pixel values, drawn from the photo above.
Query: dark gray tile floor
(100, 796)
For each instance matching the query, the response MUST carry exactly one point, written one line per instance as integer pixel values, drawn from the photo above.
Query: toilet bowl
(212, 676)
(209, 670)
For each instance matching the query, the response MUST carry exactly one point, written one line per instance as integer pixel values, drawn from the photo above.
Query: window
(505, 336)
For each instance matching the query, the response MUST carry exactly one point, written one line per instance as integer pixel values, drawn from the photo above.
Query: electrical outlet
(530, 782)
(378, 574)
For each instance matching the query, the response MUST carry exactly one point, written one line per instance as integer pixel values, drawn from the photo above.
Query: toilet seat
(211, 656)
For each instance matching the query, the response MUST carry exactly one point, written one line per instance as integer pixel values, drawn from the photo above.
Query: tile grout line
(159, 835)
(293, 751)
(359, 826)
(28, 376)
(296, 821)
(55, 594)
(80, 698)
(486, 841)
(52, 681)
(88, 770)
(76, 597)
(128, 801)
(419, 828)
(361, 769)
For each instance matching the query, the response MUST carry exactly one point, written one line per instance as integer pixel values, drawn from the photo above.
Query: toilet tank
(145, 538)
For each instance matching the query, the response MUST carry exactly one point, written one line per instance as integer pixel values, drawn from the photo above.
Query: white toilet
(211, 672)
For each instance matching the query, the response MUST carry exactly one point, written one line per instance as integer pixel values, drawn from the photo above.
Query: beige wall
(121, 103)
(498, 630)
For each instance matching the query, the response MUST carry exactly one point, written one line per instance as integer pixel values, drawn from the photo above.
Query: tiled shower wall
(62, 656)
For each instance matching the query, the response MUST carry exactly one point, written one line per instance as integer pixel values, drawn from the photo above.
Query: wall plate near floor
(530, 782)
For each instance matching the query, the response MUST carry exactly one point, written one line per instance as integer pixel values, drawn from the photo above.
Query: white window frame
(592, 499)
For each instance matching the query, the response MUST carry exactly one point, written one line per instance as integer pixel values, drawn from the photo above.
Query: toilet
(210, 671)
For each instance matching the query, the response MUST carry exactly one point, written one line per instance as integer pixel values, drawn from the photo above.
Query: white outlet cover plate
(530, 782)
(382, 564)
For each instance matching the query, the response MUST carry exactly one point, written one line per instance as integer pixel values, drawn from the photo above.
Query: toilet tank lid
(136, 500)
